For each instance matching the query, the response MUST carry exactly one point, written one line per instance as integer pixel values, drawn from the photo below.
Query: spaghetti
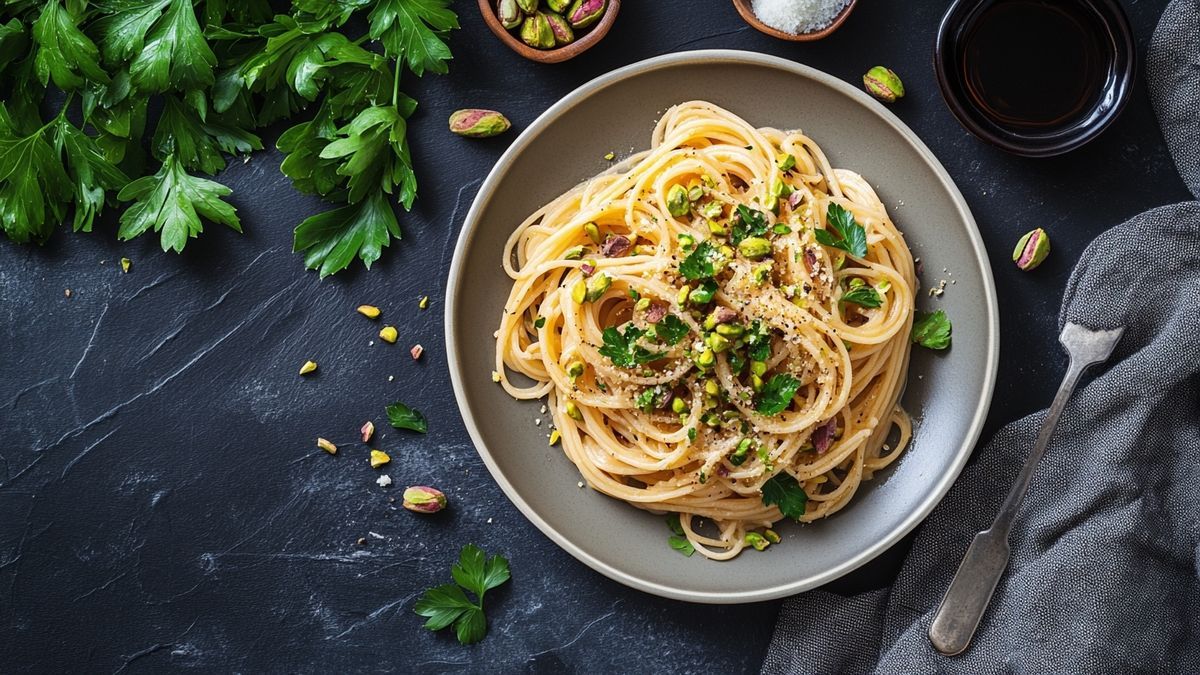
(720, 324)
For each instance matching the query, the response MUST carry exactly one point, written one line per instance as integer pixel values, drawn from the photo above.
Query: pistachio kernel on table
(308, 367)
(379, 458)
(327, 446)
(883, 84)
(367, 431)
(1031, 249)
(424, 499)
(478, 123)
(389, 334)
(369, 311)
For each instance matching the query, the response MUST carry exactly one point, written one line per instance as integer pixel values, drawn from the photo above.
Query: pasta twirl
(722, 312)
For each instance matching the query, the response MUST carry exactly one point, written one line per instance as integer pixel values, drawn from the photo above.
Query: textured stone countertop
(161, 502)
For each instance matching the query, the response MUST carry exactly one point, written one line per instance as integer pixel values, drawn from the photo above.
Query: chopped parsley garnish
(623, 349)
(932, 330)
(677, 540)
(645, 400)
(448, 604)
(692, 434)
(404, 417)
(758, 342)
(749, 223)
(539, 322)
(863, 296)
(777, 394)
(844, 232)
(699, 263)
(671, 329)
(784, 491)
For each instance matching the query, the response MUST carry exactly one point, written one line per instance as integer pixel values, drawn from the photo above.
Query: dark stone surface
(161, 501)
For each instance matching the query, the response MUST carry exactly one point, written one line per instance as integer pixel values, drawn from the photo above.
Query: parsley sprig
(623, 348)
(448, 604)
(843, 232)
(932, 330)
(218, 72)
(784, 491)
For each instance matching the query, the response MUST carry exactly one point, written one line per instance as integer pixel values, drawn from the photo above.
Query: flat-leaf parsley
(448, 604)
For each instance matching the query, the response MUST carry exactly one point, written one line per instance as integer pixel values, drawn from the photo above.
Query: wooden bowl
(747, 12)
(594, 34)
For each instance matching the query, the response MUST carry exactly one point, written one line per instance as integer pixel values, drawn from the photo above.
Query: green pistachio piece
(754, 247)
(478, 123)
(575, 253)
(677, 201)
(510, 14)
(528, 6)
(558, 6)
(563, 34)
(593, 232)
(597, 286)
(883, 84)
(536, 32)
(584, 13)
(785, 162)
(1032, 249)
(757, 541)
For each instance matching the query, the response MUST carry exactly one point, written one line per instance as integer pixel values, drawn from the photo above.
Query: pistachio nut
(717, 342)
(367, 431)
(558, 6)
(369, 311)
(563, 35)
(1032, 249)
(574, 370)
(308, 367)
(754, 247)
(536, 32)
(679, 406)
(772, 536)
(327, 446)
(389, 334)
(757, 541)
(379, 458)
(677, 201)
(509, 13)
(785, 162)
(574, 412)
(528, 6)
(579, 291)
(883, 84)
(593, 232)
(575, 253)
(478, 123)
(424, 499)
(584, 13)
(597, 286)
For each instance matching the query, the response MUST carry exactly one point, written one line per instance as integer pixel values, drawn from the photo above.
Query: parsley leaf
(32, 183)
(749, 223)
(404, 417)
(65, 55)
(673, 523)
(699, 263)
(784, 491)
(846, 233)
(677, 541)
(374, 154)
(623, 349)
(777, 394)
(414, 30)
(172, 203)
(672, 329)
(758, 341)
(198, 144)
(448, 604)
(92, 174)
(171, 52)
(932, 330)
(331, 239)
(864, 296)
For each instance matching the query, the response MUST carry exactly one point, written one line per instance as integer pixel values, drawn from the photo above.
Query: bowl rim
(1116, 22)
(746, 11)
(456, 278)
(558, 54)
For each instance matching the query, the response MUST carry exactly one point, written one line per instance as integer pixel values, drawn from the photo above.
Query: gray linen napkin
(1105, 567)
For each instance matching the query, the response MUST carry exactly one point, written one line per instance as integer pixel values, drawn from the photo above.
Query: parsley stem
(396, 82)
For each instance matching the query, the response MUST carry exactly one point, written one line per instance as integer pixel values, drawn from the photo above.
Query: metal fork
(971, 590)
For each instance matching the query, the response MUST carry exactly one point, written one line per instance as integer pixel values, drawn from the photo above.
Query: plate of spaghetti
(683, 341)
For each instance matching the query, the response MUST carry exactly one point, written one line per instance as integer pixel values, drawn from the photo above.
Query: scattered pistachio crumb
(379, 458)
(367, 431)
(424, 303)
(327, 446)
(126, 263)
(383, 481)
(495, 376)
(369, 311)
(610, 156)
(308, 367)
(555, 436)
(389, 334)
(416, 351)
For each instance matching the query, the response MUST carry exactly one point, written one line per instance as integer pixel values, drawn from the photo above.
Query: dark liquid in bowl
(1035, 65)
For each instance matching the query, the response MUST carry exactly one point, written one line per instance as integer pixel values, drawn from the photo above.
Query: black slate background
(161, 502)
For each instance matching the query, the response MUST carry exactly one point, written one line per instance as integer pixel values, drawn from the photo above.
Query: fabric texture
(1104, 574)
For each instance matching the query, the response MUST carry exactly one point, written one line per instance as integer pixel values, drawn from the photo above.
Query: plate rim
(720, 56)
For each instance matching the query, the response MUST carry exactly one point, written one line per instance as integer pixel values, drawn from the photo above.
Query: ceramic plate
(948, 393)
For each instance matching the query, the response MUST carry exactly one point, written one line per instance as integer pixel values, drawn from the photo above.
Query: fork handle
(969, 593)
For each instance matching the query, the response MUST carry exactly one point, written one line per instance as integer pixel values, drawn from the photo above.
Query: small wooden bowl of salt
(795, 20)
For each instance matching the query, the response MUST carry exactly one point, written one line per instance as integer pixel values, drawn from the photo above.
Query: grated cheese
(798, 16)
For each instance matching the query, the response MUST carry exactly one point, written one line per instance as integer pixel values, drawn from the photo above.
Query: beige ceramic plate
(948, 393)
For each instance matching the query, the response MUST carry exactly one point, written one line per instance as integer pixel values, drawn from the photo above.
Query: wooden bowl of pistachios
(549, 31)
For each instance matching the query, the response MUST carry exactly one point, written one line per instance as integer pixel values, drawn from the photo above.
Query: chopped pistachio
(610, 156)
(677, 201)
(717, 229)
(718, 343)
(379, 458)
(678, 405)
(579, 291)
(785, 162)
(706, 359)
(642, 305)
(574, 370)
(771, 536)
(593, 232)
(645, 249)
(416, 351)
(695, 193)
(686, 241)
(754, 247)
(683, 295)
(574, 412)
(424, 303)
(884, 286)
(308, 367)
(367, 431)
(495, 376)
(327, 446)
(757, 541)
(597, 286)
(711, 387)
(369, 311)
(758, 368)
(730, 329)
(575, 252)
(555, 435)
(126, 263)
(756, 382)
(388, 334)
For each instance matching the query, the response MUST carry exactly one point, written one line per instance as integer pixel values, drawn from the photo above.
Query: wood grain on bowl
(583, 42)
(745, 8)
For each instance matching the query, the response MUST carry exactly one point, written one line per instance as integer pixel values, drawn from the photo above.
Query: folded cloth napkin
(1104, 573)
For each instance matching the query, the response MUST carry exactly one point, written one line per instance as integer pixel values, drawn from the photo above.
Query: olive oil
(1035, 65)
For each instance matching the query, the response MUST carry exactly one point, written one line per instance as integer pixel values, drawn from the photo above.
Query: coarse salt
(384, 480)
(798, 16)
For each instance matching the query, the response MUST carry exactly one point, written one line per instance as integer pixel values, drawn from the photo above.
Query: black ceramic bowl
(1113, 72)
